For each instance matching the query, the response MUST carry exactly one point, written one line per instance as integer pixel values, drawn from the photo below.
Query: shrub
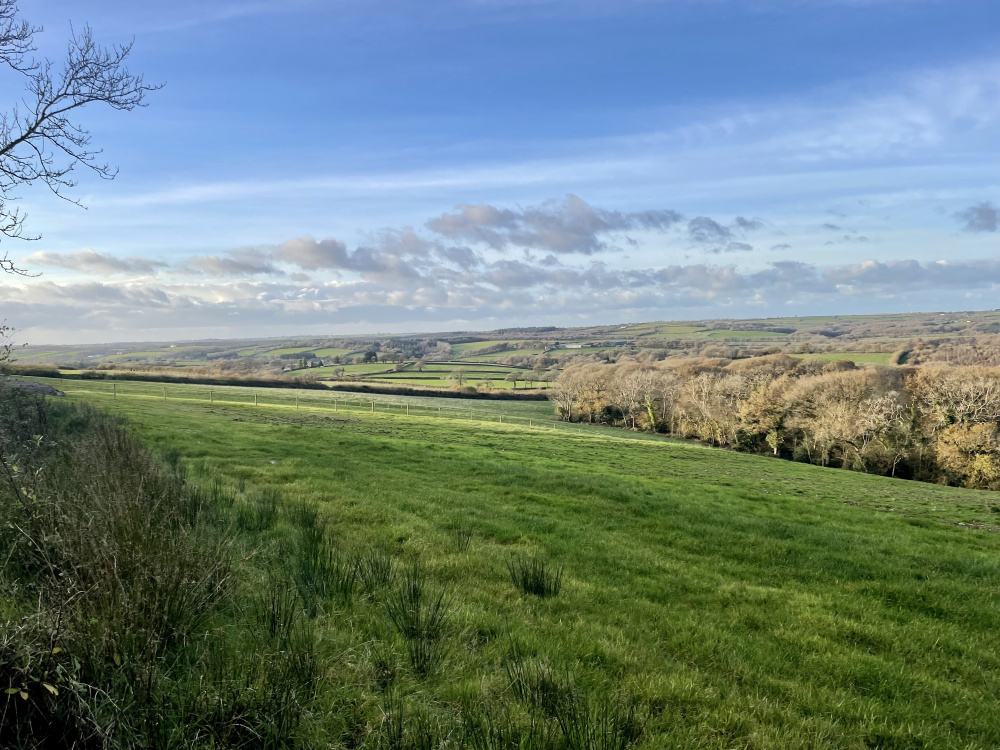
(112, 553)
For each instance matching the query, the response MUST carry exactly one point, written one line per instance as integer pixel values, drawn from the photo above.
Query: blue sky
(324, 167)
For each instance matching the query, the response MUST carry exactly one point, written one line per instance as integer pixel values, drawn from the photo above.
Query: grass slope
(739, 601)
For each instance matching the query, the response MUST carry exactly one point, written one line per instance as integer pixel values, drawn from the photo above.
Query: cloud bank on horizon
(528, 164)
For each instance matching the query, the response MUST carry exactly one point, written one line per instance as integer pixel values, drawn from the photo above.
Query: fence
(329, 402)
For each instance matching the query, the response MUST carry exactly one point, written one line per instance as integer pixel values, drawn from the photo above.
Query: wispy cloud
(92, 262)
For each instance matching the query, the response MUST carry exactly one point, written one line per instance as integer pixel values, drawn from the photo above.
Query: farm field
(735, 335)
(459, 349)
(323, 401)
(732, 600)
(330, 371)
(503, 355)
(860, 358)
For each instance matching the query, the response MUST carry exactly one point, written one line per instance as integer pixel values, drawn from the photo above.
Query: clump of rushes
(321, 572)
(494, 727)
(376, 569)
(534, 683)
(420, 616)
(276, 613)
(597, 725)
(534, 576)
(259, 512)
(302, 513)
(462, 538)
(418, 731)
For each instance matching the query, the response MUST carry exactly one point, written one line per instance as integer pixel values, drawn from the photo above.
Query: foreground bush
(111, 566)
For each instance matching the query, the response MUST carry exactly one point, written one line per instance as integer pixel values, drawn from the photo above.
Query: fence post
(296, 403)
(211, 396)
(439, 411)
(407, 410)
(529, 423)
(335, 404)
(114, 387)
(373, 407)
(164, 393)
(255, 399)
(501, 419)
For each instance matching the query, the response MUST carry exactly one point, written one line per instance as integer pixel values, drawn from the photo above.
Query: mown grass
(708, 599)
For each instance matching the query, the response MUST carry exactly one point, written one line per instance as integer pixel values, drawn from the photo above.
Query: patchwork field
(859, 358)
(721, 600)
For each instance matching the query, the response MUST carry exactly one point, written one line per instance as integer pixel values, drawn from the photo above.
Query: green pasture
(732, 601)
(732, 335)
(287, 350)
(473, 345)
(319, 372)
(860, 358)
(504, 355)
(677, 330)
(320, 401)
(415, 379)
(496, 380)
(363, 369)
(467, 366)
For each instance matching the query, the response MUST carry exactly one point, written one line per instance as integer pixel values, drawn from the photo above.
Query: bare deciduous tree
(40, 140)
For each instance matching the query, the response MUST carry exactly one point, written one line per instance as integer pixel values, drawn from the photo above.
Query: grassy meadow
(707, 599)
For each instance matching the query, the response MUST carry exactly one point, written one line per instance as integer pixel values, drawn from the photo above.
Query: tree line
(933, 423)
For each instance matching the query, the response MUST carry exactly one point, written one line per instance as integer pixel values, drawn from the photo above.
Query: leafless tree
(40, 141)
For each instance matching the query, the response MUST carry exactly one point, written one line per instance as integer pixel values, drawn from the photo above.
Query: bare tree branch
(39, 142)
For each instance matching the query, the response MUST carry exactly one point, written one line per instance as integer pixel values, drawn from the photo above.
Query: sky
(321, 167)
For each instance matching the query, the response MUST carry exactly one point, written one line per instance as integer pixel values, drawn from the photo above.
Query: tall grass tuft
(601, 725)
(302, 513)
(495, 727)
(376, 569)
(383, 664)
(276, 614)
(419, 731)
(321, 572)
(259, 511)
(535, 683)
(462, 538)
(534, 576)
(420, 616)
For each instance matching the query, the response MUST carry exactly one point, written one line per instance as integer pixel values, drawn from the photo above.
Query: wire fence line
(330, 402)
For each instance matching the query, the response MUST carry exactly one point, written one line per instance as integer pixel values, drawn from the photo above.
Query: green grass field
(736, 601)
(734, 335)
(474, 345)
(321, 401)
(860, 358)
(504, 355)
